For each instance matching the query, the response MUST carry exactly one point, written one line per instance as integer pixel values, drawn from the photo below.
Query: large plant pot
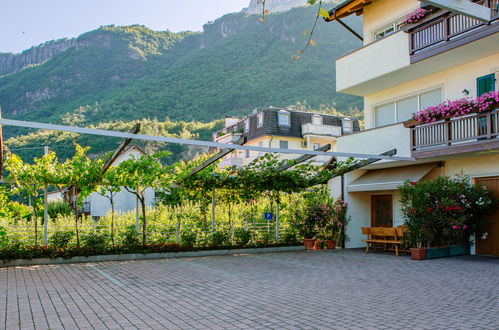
(309, 243)
(440, 252)
(330, 244)
(418, 253)
(318, 244)
(459, 250)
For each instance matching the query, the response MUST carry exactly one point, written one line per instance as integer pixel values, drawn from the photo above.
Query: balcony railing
(314, 129)
(447, 27)
(455, 132)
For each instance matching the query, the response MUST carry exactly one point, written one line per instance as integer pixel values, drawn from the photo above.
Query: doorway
(490, 245)
(381, 210)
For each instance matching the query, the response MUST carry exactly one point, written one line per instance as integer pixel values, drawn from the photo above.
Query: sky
(26, 23)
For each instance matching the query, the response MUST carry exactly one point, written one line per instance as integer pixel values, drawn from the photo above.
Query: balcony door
(490, 244)
(382, 211)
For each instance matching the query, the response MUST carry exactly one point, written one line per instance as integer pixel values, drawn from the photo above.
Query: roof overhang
(389, 178)
(347, 8)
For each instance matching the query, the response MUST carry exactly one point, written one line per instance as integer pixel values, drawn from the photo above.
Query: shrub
(96, 241)
(3, 237)
(242, 236)
(289, 237)
(189, 238)
(129, 237)
(220, 238)
(61, 239)
(59, 209)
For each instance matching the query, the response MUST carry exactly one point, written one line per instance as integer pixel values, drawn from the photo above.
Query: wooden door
(381, 211)
(490, 245)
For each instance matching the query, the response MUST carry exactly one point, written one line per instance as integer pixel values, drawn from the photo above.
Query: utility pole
(45, 208)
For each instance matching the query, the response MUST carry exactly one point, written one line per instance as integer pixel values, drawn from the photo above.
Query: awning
(389, 178)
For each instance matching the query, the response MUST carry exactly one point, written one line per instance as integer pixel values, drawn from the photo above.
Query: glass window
(485, 84)
(260, 119)
(317, 146)
(406, 108)
(385, 114)
(283, 144)
(284, 118)
(430, 98)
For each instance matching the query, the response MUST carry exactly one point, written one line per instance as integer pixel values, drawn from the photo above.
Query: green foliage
(61, 239)
(3, 237)
(98, 241)
(58, 209)
(242, 236)
(220, 238)
(129, 237)
(132, 72)
(290, 237)
(189, 237)
(444, 211)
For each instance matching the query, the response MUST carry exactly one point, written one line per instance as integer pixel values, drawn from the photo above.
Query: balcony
(229, 137)
(323, 130)
(449, 31)
(473, 133)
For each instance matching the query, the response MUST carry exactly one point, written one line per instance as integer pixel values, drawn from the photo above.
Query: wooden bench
(383, 235)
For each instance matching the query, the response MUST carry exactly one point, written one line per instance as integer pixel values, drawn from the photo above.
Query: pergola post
(45, 208)
(277, 222)
(213, 205)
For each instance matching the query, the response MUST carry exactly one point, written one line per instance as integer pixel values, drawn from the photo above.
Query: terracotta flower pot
(318, 245)
(418, 253)
(309, 243)
(330, 244)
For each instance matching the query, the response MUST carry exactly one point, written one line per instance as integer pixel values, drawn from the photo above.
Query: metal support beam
(215, 157)
(346, 26)
(121, 147)
(463, 7)
(304, 158)
(109, 133)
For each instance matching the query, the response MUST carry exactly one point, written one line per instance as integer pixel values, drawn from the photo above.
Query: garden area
(265, 204)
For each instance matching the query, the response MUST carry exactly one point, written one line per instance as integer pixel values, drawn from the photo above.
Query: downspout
(346, 26)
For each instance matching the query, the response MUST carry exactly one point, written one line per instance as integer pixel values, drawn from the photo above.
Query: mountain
(132, 72)
(274, 6)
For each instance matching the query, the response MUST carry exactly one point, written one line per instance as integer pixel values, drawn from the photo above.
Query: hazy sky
(25, 23)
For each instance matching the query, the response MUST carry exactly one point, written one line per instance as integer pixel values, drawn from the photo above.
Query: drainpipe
(346, 26)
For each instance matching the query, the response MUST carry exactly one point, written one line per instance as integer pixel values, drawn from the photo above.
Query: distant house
(282, 128)
(97, 205)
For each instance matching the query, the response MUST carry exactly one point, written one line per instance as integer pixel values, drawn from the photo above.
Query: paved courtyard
(311, 290)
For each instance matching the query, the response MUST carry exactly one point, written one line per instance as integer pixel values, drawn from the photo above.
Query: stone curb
(138, 256)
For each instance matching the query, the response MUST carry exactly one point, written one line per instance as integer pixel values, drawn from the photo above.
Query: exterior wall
(124, 202)
(453, 82)
(382, 12)
(359, 203)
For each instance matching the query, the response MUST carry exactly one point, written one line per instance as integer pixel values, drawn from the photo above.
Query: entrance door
(381, 211)
(490, 245)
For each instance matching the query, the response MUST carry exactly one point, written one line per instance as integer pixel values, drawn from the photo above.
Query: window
(317, 146)
(385, 114)
(246, 153)
(485, 84)
(283, 144)
(260, 144)
(347, 125)
(260, 119)
(283, 118)
(387, 30)
(403, 109)
(246, 125)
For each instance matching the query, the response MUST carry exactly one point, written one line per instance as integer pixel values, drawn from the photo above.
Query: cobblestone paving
(339, 289)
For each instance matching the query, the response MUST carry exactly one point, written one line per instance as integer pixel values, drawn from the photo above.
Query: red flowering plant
(417, 15)
(444, 211)
(457, 108)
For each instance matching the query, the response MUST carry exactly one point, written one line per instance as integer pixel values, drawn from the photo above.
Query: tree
(31, 178)
(109, 190)
(76, 179)
(136, 175)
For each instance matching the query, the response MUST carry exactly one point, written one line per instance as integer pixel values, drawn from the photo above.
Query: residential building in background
(282, 128)
(403, 68)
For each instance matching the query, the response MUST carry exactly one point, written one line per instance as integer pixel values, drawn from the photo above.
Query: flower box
(434, 252)
(459, 250)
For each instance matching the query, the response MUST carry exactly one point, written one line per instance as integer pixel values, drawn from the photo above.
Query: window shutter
(485, 84)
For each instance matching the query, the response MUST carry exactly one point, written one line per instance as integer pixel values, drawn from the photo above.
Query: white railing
(229, 138)
(314, 129)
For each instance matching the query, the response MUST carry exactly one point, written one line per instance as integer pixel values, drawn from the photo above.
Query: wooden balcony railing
(455, 132)
(447, 27)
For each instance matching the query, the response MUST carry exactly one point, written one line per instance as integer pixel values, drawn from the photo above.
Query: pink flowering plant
(444, 211)
(457, 108)
(417, 15)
